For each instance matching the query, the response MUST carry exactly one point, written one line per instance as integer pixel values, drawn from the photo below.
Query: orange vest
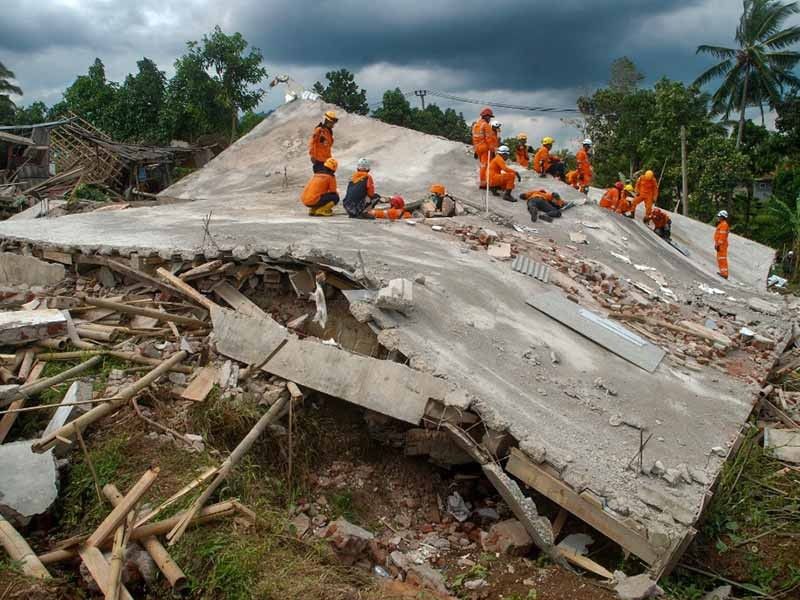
(542, 160)
(481, 132)
(584, 166)
(721, 234)
(498, 165)
(659, 218)
(321, 144)
(610, 199)
(522, 156)
(647, 188)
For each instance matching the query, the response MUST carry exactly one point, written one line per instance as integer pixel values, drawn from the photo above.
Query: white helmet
(587, 142)
(363, 164)
(723, 214)
(496, 124)
(503, 150)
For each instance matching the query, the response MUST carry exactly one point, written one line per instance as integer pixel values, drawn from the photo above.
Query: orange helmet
(487, 112)
(331, 164)
(397, 202)
(438, 189)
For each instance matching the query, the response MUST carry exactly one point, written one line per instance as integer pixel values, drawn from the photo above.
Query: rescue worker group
(361, 201)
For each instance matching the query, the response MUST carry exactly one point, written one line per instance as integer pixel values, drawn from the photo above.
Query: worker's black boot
(546, 218)
(508, 197)
(534, 212)
(495, 191)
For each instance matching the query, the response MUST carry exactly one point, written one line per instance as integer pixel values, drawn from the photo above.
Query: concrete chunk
(397, 295)
(784, 443)
(79, 391)
(508, 537)
(17, 269)
(28, 482)
(762, 306)
(22, 326)
(638, 587)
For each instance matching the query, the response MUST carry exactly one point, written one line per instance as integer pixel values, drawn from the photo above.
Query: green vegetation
(7, 106)
(396, 110)
(342, 90)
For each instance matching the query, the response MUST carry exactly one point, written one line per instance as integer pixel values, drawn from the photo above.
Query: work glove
(475, 155)
(519, 177)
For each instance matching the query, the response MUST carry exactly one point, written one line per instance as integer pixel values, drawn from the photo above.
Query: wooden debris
(8, 419)
(89, 462)
(117, 516)
(117, 558)
(19, 551)
(31, 389)
(202, 270)
(177, 496)
(129, 271)
(200, 386)
(145, 312)
(237, 300)
(100, 570)
(185, 289)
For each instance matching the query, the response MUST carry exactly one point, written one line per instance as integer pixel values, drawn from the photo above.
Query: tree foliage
(139, 102)
(625, 77)
(397, 110)
(342, 90)
(7, 88)
(92, 97)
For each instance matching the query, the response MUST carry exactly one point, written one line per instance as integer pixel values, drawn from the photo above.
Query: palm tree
(758, 69)
(6, 105)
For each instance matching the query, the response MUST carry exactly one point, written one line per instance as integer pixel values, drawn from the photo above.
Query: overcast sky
(530, 52)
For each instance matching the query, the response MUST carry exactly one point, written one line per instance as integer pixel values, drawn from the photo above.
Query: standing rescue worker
(721, 242)
(501, 176)
(585, 172)
(543, 204)
(320, 194)
(647, 192)
(545, 163)
(611, 198)
(483, 142)
(320, 146)
(662, 224)
(360, 195)
(522, 156)
(625, 205)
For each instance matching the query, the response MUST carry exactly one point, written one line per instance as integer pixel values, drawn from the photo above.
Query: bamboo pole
(271, 415)
(176, 496)
(96, 332)
(30, 389)
(117, 558)
(145, 312)
(27, 365)
(19, 550)
(186, 290)
(8, 420)
(113, 404)
(68, 549)
(170, 569)
(129, 356)
(89, 462)
(99, 569)
(116, 517)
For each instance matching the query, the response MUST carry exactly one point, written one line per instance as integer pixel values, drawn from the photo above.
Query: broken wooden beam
(129, 356)
(117, 516)
(237, 300)
(170, 569)
(145, 312)
(19, 551)
(200, 271)
(184, 289)
(129, 271)
(8, 420)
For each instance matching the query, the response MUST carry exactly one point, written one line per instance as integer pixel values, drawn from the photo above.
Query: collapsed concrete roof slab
(471, 325)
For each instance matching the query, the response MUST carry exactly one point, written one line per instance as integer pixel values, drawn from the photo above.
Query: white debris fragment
(643, 268)
(437, 228)
(321, 316)
(622, 257)
(709, 290)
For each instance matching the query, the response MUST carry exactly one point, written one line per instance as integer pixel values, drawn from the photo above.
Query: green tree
(249, 120)
(716, 166)
(7, 106)
(235, 71)
(140, 101)
(92, 97)
(760, 65)
(395, 109)
(30, 115)
(342, 90)
(625, 77)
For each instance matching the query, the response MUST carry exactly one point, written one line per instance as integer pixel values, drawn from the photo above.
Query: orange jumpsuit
(584, 168)
(390, 213)
(523, 160)
(320, 145)
(542, 160)
(320, 190)
(484, 140)
(573, 178)
(659, 219)
(610, 199)
(721, 246)
(624, 203)
(500, 175)
(647, 192)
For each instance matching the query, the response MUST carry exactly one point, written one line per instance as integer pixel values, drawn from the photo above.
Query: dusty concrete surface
(471, 324)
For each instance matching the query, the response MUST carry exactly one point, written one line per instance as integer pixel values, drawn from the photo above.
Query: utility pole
(421, 95)
(685, 175)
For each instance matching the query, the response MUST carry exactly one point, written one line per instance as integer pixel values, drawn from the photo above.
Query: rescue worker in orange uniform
(396, 211)
(501, 176)
(624, 206)
(662, 224)
(543, 205)
(647, 192)
(483, 142)
(585, 172)
(545, 163)
(522, 156)
(610, 199)
(320, 194)
(721, 242)
(360, 195)
(320, 146)
(573, 178)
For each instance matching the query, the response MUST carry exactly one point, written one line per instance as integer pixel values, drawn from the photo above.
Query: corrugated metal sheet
(526, 266)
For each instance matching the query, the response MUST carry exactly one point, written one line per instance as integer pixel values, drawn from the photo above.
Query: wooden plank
(185, 289)
(99, 569)
(129, 271)
(526, 470)
(201, 385)
(585, 563)
(56, 256)
(559, 522)
(204, 269)
(237, 300)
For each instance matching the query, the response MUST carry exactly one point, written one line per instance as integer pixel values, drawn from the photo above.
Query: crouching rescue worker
(522, 156)
(625, 205)
(501, 176)
(573, 179)
(545, 163)
(611, 198)
(440, 203)
(320, 146)
(721, 242)
(662, 224)
(320, 194)
(396, 210)
(647, 192)
(484, 141)
(360, 196)
(543, 205)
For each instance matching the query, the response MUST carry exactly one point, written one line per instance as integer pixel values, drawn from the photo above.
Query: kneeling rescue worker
(545, 163)
(320, 146)
(721, 242)
(501, 176)
(625, 206)
(662, 224)
(543, 205)
(360, 195)
(611, 198)
(320, 194)
(396, 211)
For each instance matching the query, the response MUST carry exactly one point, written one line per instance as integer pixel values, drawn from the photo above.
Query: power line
(447, 96)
